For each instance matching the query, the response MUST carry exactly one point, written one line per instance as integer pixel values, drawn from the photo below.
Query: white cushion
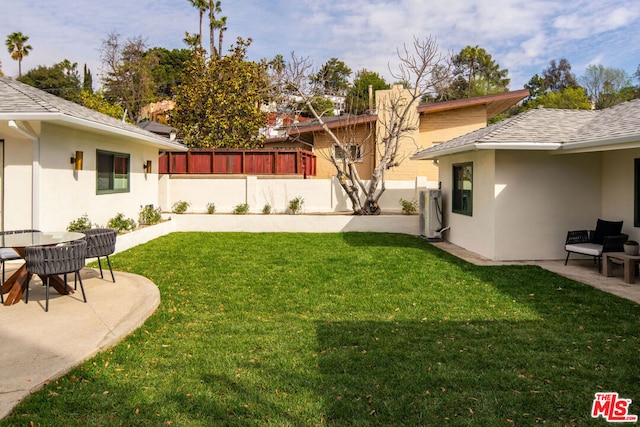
(8, 253)
(591, 249)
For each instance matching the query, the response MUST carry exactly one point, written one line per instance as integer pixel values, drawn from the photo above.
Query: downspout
(35, 173)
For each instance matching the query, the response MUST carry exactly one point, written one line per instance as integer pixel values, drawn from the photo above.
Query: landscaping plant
(82, 223)
(120, 223)
(180, 207)
(295, 205)
(241, 209)
(409, 207)
(149, 215)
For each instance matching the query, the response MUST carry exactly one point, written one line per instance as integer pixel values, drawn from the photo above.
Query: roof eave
(64, 118)
(522, 146)
(608, 144)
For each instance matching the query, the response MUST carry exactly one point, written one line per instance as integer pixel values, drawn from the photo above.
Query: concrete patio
(38, 346)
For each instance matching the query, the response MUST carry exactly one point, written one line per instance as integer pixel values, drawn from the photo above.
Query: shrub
(180, 207)
(241, 209)
(149, 215)
(211, 208)
(266, 209)
(120, 223)
(80, 224)
(295, 205)
(409, 207)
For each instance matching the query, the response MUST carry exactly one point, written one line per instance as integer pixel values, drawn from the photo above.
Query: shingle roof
(549, 129)
(19, 101)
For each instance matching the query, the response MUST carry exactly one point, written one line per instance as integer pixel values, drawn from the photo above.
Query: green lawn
(349, 329)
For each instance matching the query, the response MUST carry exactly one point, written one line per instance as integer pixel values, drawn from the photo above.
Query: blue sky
(521, 35)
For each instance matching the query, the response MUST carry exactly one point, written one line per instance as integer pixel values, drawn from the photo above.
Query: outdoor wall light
(77, 160)
(147, 166)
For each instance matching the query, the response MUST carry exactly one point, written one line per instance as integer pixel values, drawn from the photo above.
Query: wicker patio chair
(53, 260)
(8, 254)
(607, 237)
(101, 242)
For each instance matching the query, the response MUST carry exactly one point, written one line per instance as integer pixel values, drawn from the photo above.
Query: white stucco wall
(524, 202)
(66, 194)
(17, 208)
(319, 195)
(477, 232)
(539, 197)
(618, 188)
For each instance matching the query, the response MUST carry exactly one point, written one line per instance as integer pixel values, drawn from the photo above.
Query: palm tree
(17, 47)
(221, 25)
(202, 6)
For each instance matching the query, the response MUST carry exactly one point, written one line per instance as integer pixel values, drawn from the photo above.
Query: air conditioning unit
(431, 215)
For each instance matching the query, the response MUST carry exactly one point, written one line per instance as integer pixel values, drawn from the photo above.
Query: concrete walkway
(580, 270)
(37, 346)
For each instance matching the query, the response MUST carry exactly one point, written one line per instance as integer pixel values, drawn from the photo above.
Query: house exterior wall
(477, 232)
(17, 184)
(618, 188)
(323, 146)
(65, 194)
(524, 202)
(436, 128)
(539, 197)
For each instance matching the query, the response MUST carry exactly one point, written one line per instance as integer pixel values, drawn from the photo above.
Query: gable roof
(21, 102)
(496, 103)
(551, 129)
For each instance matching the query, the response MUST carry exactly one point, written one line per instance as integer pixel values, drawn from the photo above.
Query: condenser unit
(431, 214)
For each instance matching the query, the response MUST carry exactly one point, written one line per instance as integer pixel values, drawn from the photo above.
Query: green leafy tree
(475, 73)
(18, 48)
(98, 102)
(332, 78)
(607, 86)
(217, 104)
(573, 98)
(358, 94)
(1, 73)
(62, 79)
(87, 81)
(167, 69)
(128, 81)
(558, 76)
(192, 41)
(323, 106)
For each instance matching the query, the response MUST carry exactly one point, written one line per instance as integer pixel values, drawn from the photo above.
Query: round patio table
(16, 285)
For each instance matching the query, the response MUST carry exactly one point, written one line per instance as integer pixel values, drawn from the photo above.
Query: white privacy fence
(319, 195)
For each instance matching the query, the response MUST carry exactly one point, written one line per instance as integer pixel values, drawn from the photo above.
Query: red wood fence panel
(232, 161)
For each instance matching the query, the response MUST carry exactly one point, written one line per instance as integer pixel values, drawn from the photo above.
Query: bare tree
(422, 67)
(127, 77)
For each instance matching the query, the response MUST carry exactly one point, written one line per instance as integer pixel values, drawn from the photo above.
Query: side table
(629, 262)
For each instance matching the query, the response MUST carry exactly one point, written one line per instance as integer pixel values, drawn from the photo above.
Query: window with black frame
(462, 199)
(355, 153)
(112, 172)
